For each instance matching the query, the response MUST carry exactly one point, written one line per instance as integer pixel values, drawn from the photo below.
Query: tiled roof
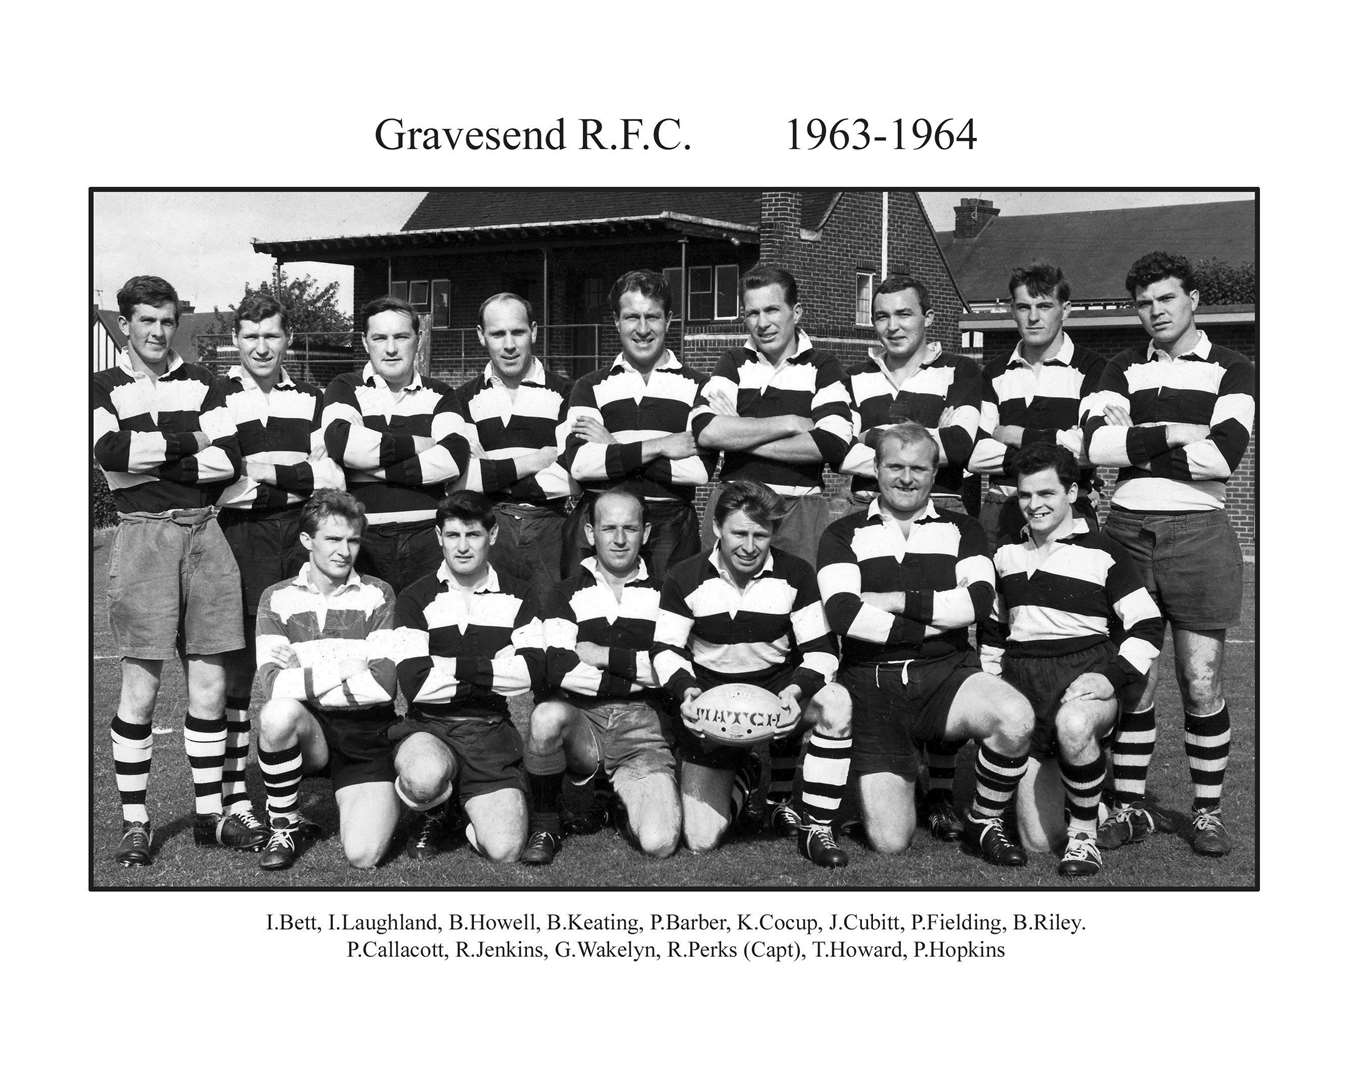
(1096, 247)
(485, 207)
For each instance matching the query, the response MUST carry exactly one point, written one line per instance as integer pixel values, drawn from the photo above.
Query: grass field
(603, 861)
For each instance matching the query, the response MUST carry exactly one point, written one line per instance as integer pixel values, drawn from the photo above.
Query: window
(713, 292)
(440, 304)
(419, 296)
(866, 282)
(399, 290)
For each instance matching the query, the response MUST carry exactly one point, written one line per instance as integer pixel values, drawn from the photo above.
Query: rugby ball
(737, 714)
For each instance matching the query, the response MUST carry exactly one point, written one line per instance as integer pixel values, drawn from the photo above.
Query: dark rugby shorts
(488, 753)
(1191, 564)
(1042, 680)
(266, 548)
(359, 749)
(896, 706)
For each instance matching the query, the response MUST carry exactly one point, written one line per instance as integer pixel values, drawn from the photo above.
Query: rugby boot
(985, 837)
(541, 848)
(1081, 858)
(939, 814)
(1208, 836)
(1127, 823)
(288, 838)
(817, 843)
(217, 830)
(785, 820)
(134, 850)
(428, 832)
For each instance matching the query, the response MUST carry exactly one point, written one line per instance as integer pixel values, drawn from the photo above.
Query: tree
(1219, 282)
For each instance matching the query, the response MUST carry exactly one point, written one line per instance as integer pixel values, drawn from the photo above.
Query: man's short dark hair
(1157, 265)
(762, 275)
(899, 283)
(471, 506)
(1040, 279)
(330, 502)
(145, 289)
(646, 283)
(1040, 456)
(620, 490)
(257, 306)
(388, 303)
(759, 503)
(502, 297)
(906, 433)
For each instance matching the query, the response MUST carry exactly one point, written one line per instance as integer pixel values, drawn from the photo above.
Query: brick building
(564, 248)
(1095, 249)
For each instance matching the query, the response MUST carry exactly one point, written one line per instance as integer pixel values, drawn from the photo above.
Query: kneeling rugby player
(746, 612)
(1066, 595)
(323, 654)
(599, 629)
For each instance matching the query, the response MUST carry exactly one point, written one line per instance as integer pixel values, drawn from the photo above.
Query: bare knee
(547, 723)
(279, 723)
(501, 849)
(423, 779)
(703, 836)
(1075, 730)
(364, 854)
(1015, 720)
(832, 710)
(658, 839)
(889, 837)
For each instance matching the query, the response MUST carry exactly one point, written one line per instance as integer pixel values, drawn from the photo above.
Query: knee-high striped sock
(942, 766)
(1083, 792)
(233, 786)
(131, 763)
(996, 778)
(1207, 740)
(783, 756)
(824, 776)
(204, 741)
(1131, 752)
(281, 770)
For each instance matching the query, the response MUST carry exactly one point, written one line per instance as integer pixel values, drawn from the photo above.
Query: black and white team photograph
(684, 538)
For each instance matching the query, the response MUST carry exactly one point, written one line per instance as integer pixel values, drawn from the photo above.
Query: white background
(1195, 95)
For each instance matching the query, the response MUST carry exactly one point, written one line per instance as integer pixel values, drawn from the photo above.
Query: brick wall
(1110, 340)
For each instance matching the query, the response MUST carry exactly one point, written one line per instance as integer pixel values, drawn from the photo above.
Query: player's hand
(720, 404)
(1185, 434)
(350, 666)
(1009, 434)
(679, 445)
(1116, 416)
(328, 474)
(283, 656)
(542, 458)
(791, 701)
(591, 430)
(203, 440)
(588, 652)
(687, 713)
(1091, 685)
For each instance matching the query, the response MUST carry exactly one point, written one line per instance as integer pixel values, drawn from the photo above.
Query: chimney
(185, 307)
(972, 216)
(780, 225)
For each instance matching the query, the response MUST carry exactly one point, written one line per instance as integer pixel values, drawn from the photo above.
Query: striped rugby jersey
(1046, 406)
(502, 427)
(369, 430)
(584, 608)
(942, 567)
(709, 632)
(145, 436)
(279, 429)
(356, 621)
(809, 383)
(1084, 591)
(633, 410)
(1209, 385)
(940, 382)
(461, 653)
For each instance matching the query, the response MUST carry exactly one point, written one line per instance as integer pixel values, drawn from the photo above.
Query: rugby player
(599, 631)
(401, 439)
(779, 408)
(284, 461)
(467, 639)
(746, 612)
(1066, 595)
(908, 377)
(324, 641)
(629, 423)
(1034, 397)
(514, 417)
(165, 441)
(1176, 416)
(902, 582)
